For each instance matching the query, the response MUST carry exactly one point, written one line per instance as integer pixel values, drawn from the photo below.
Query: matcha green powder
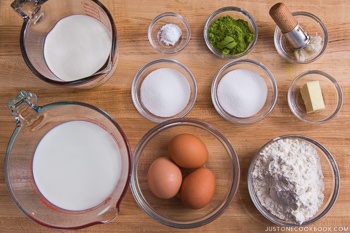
(230, 36)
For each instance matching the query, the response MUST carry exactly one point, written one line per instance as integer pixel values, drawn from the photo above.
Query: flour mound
(288, 180)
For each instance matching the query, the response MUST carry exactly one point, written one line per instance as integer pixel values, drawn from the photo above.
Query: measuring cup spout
(108, 215)
(27, 8)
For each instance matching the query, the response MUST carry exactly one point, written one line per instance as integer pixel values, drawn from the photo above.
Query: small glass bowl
(260, 69)
(158, 22)
(331, 182)
(331, 92)
(155, 65)
(222, 161)
(312, 25)
(236, 13)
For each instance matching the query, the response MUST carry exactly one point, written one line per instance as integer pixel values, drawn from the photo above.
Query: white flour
(77, 47)
(288, 180)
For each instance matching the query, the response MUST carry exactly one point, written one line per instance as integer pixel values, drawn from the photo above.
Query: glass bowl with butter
(315, 97)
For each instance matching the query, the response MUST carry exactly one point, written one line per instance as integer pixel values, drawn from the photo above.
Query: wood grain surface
(132, 19)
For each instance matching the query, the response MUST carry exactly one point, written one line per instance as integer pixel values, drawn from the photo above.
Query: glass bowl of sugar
(293, 180)
(244, 91)
(164, 89)
(169, 33)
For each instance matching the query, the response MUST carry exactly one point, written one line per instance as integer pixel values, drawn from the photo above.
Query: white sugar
(242, 93)
(165, 92)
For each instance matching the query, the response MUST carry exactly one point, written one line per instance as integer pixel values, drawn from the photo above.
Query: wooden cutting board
(132, 19)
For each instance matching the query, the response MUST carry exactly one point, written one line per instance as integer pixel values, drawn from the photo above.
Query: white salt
(77, 47)
(165, 92)
(170, 34)
(242, 93)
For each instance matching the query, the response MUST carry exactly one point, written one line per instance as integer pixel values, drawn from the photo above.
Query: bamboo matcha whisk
(303, 44)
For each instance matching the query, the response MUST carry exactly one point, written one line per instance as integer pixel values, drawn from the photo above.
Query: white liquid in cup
(77, 47)
(77, 165)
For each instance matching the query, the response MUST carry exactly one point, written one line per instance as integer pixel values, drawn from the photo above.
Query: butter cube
(312, 96)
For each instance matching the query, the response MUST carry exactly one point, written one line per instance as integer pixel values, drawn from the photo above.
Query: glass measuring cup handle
(23, 107)
(27, 8)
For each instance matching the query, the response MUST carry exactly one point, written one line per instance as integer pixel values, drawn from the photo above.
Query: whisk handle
(283, 17)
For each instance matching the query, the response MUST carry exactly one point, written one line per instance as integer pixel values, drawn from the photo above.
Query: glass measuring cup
(41, 16)
(32, 124)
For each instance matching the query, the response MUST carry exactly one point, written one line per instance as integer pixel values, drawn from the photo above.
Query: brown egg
(188, 151)
(164, 178)
(198, 188)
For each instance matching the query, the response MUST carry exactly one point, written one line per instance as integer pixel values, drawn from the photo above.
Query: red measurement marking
(47, 204)
(91, 10)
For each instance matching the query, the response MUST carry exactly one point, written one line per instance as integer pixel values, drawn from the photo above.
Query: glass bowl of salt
(164, 89)
(169, 33)
(244, 91)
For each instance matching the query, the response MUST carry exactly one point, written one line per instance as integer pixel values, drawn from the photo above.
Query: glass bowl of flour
(244, 91)
(169, 33)
(293, 180)
(164, 89)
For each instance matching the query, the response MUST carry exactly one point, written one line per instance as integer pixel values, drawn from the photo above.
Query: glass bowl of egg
(244, 91)
(185, 173)
(315, 97)
(164, 89)
(169, 33)
(293, 180)
(230, 32)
